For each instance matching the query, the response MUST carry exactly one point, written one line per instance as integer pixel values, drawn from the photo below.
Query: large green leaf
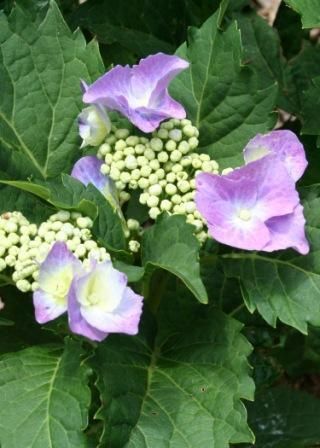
(177, 385)
(309, 10)
(41, 63)
(171, 245)
(144, 26)
(227, 102)
(311, 108)
(283, 285)
(44, 398)
(285, 418)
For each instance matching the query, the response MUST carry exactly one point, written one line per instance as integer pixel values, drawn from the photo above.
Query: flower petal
(282, 143)
(87, 171)
(140, 93)
(55, 277)
(77, 323)
(288, 231)
(94, 125)
(238, 205)
(99, 300)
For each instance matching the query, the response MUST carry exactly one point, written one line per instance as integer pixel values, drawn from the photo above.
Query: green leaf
(283, 285)
(177, 385)
(41, 63)
(263, 52)
(309, 10)
(227, 102)
(311, 108)
(44, 398)
(171, 245)
(285, 418)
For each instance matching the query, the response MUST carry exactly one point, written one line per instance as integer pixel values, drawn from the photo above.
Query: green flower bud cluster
(163, 167)
(23, 246)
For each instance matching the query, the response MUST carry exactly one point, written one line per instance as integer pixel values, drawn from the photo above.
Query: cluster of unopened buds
(24, 246)
(162, 167)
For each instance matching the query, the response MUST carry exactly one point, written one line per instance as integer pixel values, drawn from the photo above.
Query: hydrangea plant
(159, 225)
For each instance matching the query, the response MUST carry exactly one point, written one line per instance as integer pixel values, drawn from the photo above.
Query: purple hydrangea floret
(255, 207)
(140, 93)
(282, 143)
(100, 302)
(55, 276)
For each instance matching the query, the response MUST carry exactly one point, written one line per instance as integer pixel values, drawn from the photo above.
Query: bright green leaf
(44, 398)
(41, 63)
(226, 101)
(179, 386)
(171, 245)
(309, 10)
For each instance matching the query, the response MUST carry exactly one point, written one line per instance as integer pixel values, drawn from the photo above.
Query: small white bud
(183, 186)
(120, 145)
(171, 177)
(171, 145)
(143, 198)
(190, 207)
(226, 171)
(154, 212)
(122, 133)
(124, 196)
(2, 264)
(80, 251)
(133, 224)
(176, 199)
(63, 215)
(139, 149)
(153, 179)
(165, 205)
(196, 163)
(23, 285)
(175, 156)
(104, 149)
(133, 184)
(171, 189)
(163, 133)
(131, 162)
(155, 190)
(143, 183)
(133, 140)
(142, 161)
(163, 157)
(154, 164)
(156, 144)
(114, 173)
(206, 167)
(152, 201)
(125, 177)
(175, 134)
(135, 174)
(176, 168)
(193, 143)
(134, 245)
(189, 130)
(90, 244)
(56, 226)
(149, 154)
(13, 238)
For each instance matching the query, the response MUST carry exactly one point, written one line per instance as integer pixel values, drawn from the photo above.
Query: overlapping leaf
(44, 398)
(41, 63)
(228, 103)
(171, 245)
(178, 386)
(309, 10)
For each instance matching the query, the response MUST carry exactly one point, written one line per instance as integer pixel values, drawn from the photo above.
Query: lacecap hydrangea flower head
(140, 93)
(97, 299)
(257, 207)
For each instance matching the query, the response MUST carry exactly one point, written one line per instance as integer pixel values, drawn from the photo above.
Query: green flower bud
(160, 173)
(129, 151)
(183, 186)
(175, 156)
(154, 164)
(142, 160)
(149, 154)
(175, 134)
(139, 149)
(176, 168)
(156, 144)
(131, 162)
(104, 149)
(171, 145)
(162, 133)
(133, 184)
(122, 133)
(143, 198)
(163, 157)
(133, 140)
(120, 145)
(167, 125)
(120, 164)
(2, 264)
(193, 143)
(189, 130)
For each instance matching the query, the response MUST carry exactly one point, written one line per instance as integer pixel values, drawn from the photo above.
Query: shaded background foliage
(147, 390)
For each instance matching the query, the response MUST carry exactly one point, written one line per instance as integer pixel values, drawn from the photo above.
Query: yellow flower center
(244, 214)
